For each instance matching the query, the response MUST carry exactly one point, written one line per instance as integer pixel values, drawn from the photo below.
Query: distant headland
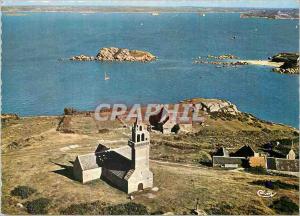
(282, 13)
(272, 14)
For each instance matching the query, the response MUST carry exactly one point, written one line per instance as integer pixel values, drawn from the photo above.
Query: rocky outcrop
(219, 106)
(225, 56)
(117, 54)
(82, 58)
(70, 111)
(294, 70)
(221, 63)
(212, 106)
(290, 63)
(9, 116)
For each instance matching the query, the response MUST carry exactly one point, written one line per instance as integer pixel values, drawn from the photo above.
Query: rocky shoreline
(117, 54)
(221, 63)
(290, 63)
(284, 63)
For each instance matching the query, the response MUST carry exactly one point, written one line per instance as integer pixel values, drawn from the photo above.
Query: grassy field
(35, 154)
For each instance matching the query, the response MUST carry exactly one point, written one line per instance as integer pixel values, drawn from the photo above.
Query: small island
(117, 54)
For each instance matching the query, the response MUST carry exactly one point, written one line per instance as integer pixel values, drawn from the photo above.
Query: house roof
(88, 161)
(222, 152)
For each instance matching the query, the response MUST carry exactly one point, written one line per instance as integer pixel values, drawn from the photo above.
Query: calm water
(35, 82)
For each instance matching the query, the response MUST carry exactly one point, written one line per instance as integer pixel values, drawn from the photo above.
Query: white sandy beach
(263, 63)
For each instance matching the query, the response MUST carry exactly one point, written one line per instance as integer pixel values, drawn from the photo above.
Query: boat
(106, 77)
(155, 14)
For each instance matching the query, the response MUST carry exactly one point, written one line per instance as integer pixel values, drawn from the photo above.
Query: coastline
(129, 9)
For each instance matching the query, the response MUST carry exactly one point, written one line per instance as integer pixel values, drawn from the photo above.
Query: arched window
(143, 137)
(138, 138)
(140, 186)
(141, 128)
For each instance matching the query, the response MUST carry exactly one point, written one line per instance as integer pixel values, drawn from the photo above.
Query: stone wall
(120, 183)
(140, 176)
(92, 174)
(287, 165)
(221, 161)
(282, 164)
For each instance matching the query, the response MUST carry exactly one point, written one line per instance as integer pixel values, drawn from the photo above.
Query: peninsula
(285, 63)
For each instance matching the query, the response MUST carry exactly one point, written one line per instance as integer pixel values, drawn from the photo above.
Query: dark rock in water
(290, 63)
(286, 57)
(82, 58)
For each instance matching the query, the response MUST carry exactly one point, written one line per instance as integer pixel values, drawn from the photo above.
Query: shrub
(257, 170)
(284, 205)
(221, 209)
(175, 129)
(69, 111)
(104, 130)
(126, 209)
(23, 191)
(205, 158)
(38, 206)
(94, 208)
(276, 184)
(100, 208)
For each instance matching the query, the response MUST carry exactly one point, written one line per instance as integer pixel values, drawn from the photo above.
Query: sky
(163, 3)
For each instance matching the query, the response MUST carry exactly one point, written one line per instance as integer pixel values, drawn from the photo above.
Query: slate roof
(88, 161)
(222, 152)
(244, 151)
(110, 160)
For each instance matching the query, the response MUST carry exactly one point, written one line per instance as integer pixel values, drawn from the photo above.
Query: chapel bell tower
(140, 146)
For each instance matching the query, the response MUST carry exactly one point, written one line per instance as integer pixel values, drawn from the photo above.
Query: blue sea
(36, 82)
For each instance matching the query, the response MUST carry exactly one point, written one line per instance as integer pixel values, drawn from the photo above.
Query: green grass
(100, 208)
